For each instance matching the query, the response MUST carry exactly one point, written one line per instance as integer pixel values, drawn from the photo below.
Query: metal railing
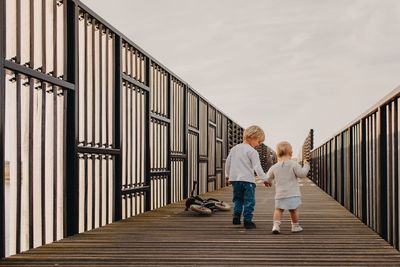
(359, 167)
(92, 128)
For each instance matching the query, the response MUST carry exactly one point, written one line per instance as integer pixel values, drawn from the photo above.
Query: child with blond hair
(243, 160)
(287, 190)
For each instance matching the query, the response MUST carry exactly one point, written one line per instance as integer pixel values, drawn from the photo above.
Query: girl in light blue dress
(287, 190)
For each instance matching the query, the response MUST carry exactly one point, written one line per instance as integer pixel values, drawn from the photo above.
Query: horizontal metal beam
(131, 190)
(98, 150)
(135, 82)
(203, 158)
(37, 75)
(178, 156)
(211, 178)
(194, 130)
(160, 173)
(160, 118)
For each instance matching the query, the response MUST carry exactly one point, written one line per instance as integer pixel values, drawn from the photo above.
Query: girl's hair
(254, 132)
(283, 149)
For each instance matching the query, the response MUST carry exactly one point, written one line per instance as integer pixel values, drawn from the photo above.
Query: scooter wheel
(200, 209)
(222, 206)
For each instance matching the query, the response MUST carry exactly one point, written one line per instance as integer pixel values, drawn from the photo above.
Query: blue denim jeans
(244, 199)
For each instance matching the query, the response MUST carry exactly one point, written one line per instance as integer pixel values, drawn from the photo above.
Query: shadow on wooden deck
(172, 236)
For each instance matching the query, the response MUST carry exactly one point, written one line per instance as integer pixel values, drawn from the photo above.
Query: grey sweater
(285, 174)
(243, 160)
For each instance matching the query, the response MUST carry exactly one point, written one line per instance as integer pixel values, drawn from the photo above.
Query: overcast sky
(287, 66)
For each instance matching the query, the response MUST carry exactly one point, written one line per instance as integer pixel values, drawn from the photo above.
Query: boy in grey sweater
(243, 160)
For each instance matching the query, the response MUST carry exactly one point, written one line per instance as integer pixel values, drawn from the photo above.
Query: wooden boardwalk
(172, 236)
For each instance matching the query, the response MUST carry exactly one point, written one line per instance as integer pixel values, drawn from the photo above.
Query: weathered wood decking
(172, 236)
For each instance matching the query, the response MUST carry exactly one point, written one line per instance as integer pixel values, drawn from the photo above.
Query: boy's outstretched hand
(227, 181)
(267, 184)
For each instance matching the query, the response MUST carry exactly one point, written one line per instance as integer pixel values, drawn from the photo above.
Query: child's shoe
(249, 225)
(276, 229)
(236, 219)
(296, 228)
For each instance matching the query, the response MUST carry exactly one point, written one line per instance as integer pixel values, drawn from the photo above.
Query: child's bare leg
(278, 214)
(276, 229)
(294, 214)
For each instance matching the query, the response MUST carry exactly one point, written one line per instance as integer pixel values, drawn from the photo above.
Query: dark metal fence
(359, 167)
(92, 128)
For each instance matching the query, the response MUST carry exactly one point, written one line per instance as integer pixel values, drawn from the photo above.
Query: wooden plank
(172, 236)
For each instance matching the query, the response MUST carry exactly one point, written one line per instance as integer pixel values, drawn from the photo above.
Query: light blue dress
(288, 203)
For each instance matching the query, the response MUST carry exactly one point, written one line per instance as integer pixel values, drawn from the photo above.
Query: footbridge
(100, 144)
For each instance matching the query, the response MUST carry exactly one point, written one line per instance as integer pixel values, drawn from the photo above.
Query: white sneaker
(296, 228)
(276, 229)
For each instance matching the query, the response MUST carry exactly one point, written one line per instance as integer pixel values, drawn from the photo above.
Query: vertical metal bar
(185, 142)
(55, 124)
(93, 176)
(43, 126)
(343, 174)
(71, 169)
(363, 171)
(146, 138)
(137, 130)
(43, 163)
(30, 171)
(383, 170)
(141, 155)
(397, 182)
(85, 122)
(395, 175)
(132, 92)
(85, 101)
(117, 128)
(2, 125)
(31, 121)
(169, 111)
(389, 164)
(206, 144)
(19, 172)
(107, 122)
(198, 147)
(351, 173)
(93, 110)
(101, 89)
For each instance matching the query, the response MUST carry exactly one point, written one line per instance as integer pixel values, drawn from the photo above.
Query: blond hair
(283, 149)
(254, 132)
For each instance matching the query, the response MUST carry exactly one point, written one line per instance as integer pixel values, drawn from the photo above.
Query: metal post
(351, 176)
(71, 199)
(382, 137)
(117, 115)
(2, 124)
(364, 171)
(185, 143)
(169, 135)
(147, 159)
(198, 147)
